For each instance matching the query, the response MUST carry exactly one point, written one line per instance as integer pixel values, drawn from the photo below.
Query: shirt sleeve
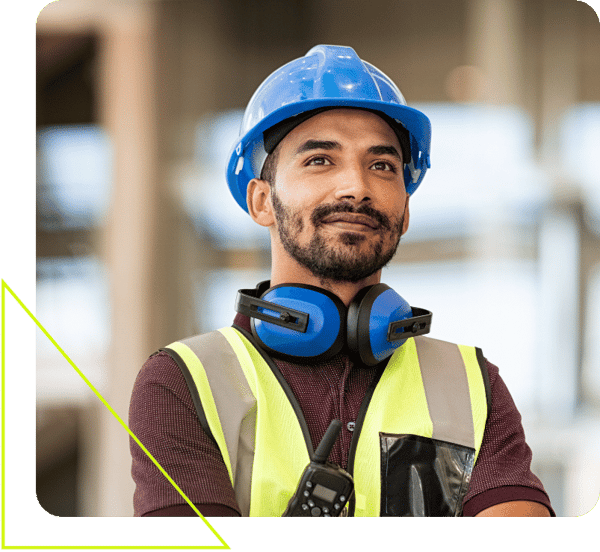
(163, 417)
(502, 472)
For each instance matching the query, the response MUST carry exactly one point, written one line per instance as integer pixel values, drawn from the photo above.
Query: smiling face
(338, 205)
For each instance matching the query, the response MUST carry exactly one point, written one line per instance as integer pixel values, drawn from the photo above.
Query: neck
(301, 275)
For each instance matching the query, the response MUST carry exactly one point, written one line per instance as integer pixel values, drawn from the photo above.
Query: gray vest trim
(452, 419)
(189, 380)
(236, 406)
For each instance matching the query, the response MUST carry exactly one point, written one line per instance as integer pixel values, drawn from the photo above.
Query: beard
(343, 262)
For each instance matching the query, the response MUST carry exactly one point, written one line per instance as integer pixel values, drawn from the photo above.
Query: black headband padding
(272, 136)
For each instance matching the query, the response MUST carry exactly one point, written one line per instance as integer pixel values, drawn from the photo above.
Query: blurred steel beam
(494, 43)
(128, 112)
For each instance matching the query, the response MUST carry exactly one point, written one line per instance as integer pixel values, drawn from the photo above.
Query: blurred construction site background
(139, 242)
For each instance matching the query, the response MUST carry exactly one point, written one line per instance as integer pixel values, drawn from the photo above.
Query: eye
(384, 166)
(318, 161)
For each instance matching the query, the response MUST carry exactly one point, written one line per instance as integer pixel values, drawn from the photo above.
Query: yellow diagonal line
(111, 410)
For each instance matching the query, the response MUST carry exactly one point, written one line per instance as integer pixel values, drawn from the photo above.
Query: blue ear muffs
(321, 335)
(370, 314)
(305, 322)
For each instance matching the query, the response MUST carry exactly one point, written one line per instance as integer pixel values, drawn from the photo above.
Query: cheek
(394, 193)
(301, 189)
(393, 203)
(301, 198)
(300, 202)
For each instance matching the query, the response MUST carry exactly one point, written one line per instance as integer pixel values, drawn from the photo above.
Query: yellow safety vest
(430, 389)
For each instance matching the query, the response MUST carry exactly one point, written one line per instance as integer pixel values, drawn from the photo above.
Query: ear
(258, 198)
(406, 216)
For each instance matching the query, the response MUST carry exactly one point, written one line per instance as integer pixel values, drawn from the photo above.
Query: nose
(353, 185)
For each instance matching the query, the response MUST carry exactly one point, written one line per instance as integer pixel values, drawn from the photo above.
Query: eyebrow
(318, 144)
(385, 150)
(382, 149)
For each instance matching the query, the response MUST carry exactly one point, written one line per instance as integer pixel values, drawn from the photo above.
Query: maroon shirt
(163, 417)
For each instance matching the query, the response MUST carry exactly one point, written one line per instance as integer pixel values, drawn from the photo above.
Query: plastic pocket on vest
(422, 476)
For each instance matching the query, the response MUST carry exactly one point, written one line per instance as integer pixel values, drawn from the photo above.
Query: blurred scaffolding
(139, 242)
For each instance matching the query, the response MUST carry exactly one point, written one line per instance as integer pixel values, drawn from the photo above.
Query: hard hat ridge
(326, 77)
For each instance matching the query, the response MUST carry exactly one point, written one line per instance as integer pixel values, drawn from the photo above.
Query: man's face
(338, 199)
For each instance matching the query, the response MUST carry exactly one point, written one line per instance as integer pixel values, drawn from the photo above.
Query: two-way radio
(324, 487)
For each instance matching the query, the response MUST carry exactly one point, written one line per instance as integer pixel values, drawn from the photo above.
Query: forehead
(345, 125)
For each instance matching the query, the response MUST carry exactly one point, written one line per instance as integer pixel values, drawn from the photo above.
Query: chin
(352, 238)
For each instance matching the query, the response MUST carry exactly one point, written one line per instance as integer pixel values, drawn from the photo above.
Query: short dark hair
(270, 166)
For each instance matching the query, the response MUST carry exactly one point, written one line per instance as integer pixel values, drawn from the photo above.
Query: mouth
(351, 221)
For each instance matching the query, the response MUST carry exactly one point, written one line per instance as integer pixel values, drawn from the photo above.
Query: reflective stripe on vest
(429, 388)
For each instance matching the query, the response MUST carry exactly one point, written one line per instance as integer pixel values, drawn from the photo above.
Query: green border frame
(6, 290)
(25, 526)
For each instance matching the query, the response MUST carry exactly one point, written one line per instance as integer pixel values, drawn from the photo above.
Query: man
(328, 157)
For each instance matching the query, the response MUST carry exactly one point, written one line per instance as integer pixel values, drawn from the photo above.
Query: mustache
(323, 211)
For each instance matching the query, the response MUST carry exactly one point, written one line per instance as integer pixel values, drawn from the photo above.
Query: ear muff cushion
(388, 307)
(369, 316)
(326, 330)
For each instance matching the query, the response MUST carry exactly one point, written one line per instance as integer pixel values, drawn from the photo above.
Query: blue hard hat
(327, 76)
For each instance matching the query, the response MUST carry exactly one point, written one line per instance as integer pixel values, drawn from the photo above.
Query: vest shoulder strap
(189, 380)
(237, 397)
(445, 374)
(225, 403)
